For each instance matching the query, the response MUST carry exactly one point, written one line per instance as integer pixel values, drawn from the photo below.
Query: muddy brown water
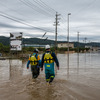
(79, 81)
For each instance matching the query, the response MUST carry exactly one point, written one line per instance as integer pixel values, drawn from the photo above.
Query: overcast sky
(35, 17)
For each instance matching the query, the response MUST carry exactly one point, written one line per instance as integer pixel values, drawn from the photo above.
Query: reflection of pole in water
(68, 65)
(85, 61)
(78, 52)
(9, 68)
(55, 65)
(15, 69)
(77, 63)
(90, 59)
(67, 72)
(85, 52)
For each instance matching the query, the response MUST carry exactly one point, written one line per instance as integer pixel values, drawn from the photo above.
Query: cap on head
(36, 50)
(47, 47)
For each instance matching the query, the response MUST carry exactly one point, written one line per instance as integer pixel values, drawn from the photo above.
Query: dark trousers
(35, 71)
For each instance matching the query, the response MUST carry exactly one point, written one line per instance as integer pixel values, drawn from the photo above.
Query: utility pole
(68, 45)
(85, 40)
(78, 42)
(56, 24)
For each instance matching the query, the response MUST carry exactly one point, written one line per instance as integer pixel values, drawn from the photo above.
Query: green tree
(1, 47)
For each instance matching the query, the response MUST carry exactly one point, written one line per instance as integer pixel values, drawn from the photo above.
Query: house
(87, 46)
(95, 48)
(34, 45)
(65, 45)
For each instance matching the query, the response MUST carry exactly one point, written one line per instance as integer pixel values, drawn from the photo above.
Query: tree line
(6, 49)
(6, 41)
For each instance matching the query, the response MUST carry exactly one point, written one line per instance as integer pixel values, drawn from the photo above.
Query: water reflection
(12, 69)
(82, 75)
(4, 70)
(15, 67)
(79, 64)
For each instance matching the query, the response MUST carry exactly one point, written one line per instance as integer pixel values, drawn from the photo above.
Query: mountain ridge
(6, 41)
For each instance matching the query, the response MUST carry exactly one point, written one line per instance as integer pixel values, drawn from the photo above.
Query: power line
(33, 6)
(43, 7)
(17, 20)
(48, 6)
(20, 21)
(83, 9)
(30, 4)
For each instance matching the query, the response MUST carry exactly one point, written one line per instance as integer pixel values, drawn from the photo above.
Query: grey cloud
(84, 12)
(5, 25)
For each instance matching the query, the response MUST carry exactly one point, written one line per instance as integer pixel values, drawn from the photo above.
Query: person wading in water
(35, 62)
(48, 59)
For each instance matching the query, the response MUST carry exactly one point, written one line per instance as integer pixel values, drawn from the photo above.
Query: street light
(68, 43)
(68, 30)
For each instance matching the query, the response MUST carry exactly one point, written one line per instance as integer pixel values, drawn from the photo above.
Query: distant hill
(37, 41)
(6, 41)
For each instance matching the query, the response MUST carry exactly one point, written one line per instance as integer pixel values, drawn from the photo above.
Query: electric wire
(33, 7)
(43, 7)
(48, 6)
(17, 20)
(83, 8)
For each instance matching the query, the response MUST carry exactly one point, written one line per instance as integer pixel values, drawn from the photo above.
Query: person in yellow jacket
(35, 62)
(48, 59)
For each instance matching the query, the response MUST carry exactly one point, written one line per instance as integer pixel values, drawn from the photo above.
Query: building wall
(95, 48)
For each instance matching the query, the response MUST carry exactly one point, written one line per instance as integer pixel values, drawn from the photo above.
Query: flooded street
(79, 81)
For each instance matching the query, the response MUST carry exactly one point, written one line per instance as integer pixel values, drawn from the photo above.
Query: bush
(4, 49)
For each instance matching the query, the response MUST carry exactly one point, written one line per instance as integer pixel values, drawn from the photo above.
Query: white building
(65, 45)
(34, 45)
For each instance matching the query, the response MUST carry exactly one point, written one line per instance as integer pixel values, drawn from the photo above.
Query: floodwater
(78, 81)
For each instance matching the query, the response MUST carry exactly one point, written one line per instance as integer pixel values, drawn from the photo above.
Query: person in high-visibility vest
(35, 62)
(48, 59)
